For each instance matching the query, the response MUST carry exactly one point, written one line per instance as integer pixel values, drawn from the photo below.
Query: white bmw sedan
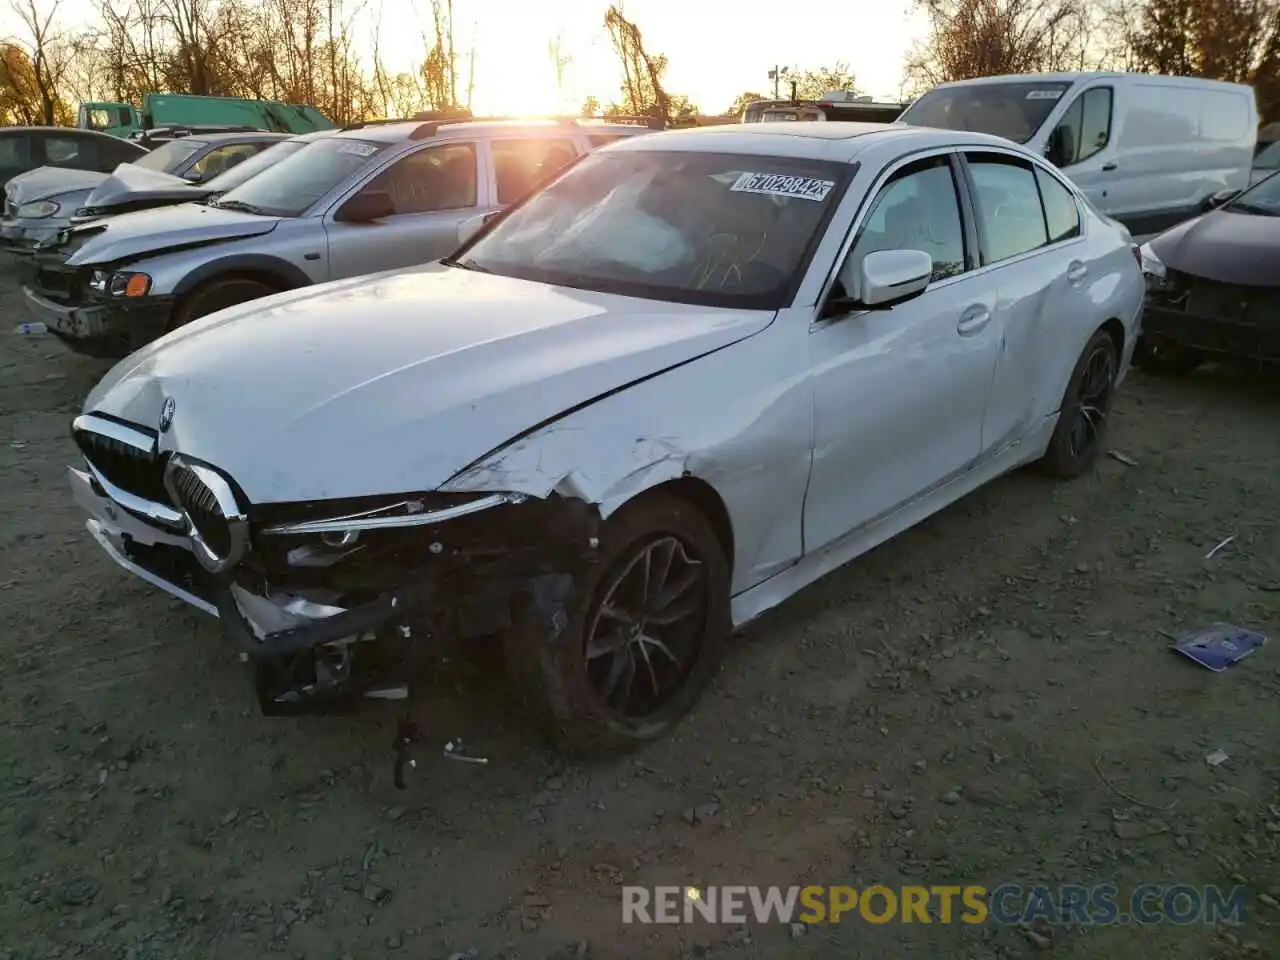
(693, 374)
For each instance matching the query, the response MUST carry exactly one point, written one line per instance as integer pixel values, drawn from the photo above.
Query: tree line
(307, 51)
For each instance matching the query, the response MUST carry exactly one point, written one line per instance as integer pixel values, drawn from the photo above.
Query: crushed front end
(329, 602)
(1211, 318)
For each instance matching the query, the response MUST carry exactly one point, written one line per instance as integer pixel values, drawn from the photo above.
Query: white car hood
(45, 182)
(394, 383)
(130, 182)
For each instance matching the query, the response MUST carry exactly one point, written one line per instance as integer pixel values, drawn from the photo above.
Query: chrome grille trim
(217, 527)
(157, 512)
(124, 459)
(133, 436)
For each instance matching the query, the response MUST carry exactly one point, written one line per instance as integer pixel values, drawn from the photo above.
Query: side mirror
(193, 176)
(367, 207)
(889, 277)
(881, 280)
(471, 226)
(1221, 198)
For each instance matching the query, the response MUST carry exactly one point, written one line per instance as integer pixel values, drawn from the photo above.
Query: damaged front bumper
(92, 324)
(309, 648)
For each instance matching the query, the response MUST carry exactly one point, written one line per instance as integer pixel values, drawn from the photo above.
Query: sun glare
(519, 89)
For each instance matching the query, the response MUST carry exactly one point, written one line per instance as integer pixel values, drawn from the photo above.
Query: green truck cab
(173, 109)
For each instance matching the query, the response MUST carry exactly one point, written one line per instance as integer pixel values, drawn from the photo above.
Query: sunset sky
(717, 48)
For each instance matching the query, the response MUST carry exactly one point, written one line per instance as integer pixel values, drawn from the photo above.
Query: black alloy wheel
(1082, 419)
(646, 628)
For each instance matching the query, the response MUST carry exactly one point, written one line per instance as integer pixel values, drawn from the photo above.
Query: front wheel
(218, 295)
(646, 630)
(1082, 419)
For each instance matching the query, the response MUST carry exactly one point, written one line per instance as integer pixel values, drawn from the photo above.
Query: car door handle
(1108, 166)
(1077, 272)
(973, 320)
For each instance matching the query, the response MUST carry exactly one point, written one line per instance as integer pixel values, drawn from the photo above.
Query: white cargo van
(1147, 150)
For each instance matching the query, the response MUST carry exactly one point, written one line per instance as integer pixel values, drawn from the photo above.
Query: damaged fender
(710, 421)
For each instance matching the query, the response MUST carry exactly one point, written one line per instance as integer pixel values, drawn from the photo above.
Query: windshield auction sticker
(1044, 94)
(780, 185)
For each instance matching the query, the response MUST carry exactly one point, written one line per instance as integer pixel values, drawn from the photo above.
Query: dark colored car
(26, 148)
(1213, 286)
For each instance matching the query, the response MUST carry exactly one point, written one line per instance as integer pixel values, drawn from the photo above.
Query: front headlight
(122, 284)
(37, 210)
(1153, 268)
(331, 538)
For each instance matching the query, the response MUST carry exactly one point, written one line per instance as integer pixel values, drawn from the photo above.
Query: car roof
(816, 139)
(1072, 77)
(66, 131)
(401, 131)
(240, 136)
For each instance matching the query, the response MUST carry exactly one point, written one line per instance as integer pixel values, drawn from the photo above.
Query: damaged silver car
(698, 371)
(370, 197)
(45, 202)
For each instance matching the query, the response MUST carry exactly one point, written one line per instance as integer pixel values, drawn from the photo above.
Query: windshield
(170, 156)
(1268, 158)
(289, 188)
(724, 230)
(1014, 111)
(242, 171)
(1262, 199)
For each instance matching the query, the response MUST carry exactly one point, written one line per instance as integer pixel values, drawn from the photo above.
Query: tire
(217, 295)
(1167, 359)
(564, 688)
(1082, 420)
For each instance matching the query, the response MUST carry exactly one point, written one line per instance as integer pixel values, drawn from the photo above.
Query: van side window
(1084, 129)
(1060, 210)
(1095, 125)
(1008, 202)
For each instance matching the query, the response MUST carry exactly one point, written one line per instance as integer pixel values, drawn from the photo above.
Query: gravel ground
(988, 699)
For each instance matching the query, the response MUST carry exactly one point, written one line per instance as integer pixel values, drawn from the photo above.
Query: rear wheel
(218, 295)
(646, 631)
(1082, 420)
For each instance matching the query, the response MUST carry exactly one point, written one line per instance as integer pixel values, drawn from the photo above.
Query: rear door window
(518, 165)
(1060, 210)
(1008, 201)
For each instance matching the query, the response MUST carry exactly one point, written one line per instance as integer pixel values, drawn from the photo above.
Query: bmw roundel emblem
(166, 413)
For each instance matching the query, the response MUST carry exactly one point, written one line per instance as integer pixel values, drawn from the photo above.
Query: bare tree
(642, 90)
(978, 38)
(47, 52)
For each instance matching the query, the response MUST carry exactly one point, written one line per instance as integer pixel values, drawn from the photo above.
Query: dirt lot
(988, 699)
